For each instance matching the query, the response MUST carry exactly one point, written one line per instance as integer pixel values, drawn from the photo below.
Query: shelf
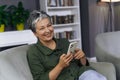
(61, 25)
(63, 29)
(63, 7)
(71, 40)
(65, 19)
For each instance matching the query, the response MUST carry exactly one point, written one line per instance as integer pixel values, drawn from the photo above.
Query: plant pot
(2, 28)
(20, 26)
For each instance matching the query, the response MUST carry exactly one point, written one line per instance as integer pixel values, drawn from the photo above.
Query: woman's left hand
(79, 54)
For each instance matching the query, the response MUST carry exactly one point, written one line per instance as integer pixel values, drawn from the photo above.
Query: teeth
(47, 34)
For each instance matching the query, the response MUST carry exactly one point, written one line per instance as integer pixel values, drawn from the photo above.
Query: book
(54, 19)
(52, 3)
(70, 2)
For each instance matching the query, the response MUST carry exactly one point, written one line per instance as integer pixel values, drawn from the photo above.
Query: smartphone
(72, 47)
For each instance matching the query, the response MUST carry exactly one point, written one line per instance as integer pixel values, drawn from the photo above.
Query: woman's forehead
(43, 22)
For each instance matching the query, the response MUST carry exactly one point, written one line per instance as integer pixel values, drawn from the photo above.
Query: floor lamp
(111, 13)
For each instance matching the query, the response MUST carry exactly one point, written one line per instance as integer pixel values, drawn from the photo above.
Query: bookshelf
(66, 18)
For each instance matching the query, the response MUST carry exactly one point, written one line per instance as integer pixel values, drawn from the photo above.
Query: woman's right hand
(65, 60)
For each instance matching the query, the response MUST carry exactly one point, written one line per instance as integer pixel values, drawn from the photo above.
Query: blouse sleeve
(37, 69)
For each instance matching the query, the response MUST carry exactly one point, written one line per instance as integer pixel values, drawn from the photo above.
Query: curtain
(107, 19)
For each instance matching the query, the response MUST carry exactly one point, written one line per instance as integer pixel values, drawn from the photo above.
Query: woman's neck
(50, 44)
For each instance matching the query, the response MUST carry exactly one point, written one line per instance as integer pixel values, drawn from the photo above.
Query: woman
(48, 58)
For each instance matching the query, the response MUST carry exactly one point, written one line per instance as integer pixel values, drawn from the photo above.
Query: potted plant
(4, 17)
(19, 15)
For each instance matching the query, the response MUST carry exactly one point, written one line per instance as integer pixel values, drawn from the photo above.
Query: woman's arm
(83, 60)
(63, 63)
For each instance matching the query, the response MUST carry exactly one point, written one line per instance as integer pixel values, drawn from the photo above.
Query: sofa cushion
(13, 64)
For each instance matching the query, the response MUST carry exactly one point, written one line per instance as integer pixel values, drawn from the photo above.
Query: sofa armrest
(105, 68)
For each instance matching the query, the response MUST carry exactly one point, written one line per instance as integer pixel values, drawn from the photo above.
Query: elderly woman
(48, 58)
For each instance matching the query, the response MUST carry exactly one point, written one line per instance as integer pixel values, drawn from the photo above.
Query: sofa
(107, 49)
(14, 65)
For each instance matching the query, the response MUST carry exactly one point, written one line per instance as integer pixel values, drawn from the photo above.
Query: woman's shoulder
(32, 48)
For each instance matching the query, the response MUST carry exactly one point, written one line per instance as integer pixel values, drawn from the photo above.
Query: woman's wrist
(54, 73)
(59, 66)
(83, 60)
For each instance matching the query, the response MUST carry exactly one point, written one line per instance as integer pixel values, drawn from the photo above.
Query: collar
(46, 50)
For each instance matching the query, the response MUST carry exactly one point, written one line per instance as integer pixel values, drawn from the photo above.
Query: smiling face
(44, 30)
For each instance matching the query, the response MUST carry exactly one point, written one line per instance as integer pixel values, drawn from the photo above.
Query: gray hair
(34, 17)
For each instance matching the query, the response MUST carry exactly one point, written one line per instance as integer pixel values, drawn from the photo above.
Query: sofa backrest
(109, 42)
(13, 64)
(107, 48)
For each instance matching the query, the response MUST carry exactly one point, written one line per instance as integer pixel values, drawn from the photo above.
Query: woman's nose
(47, 29)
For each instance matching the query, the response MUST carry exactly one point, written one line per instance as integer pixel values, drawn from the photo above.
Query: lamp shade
(110, 0)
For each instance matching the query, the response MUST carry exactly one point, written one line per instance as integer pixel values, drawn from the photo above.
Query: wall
(85, 27)
(88, 26)
(28, 4)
